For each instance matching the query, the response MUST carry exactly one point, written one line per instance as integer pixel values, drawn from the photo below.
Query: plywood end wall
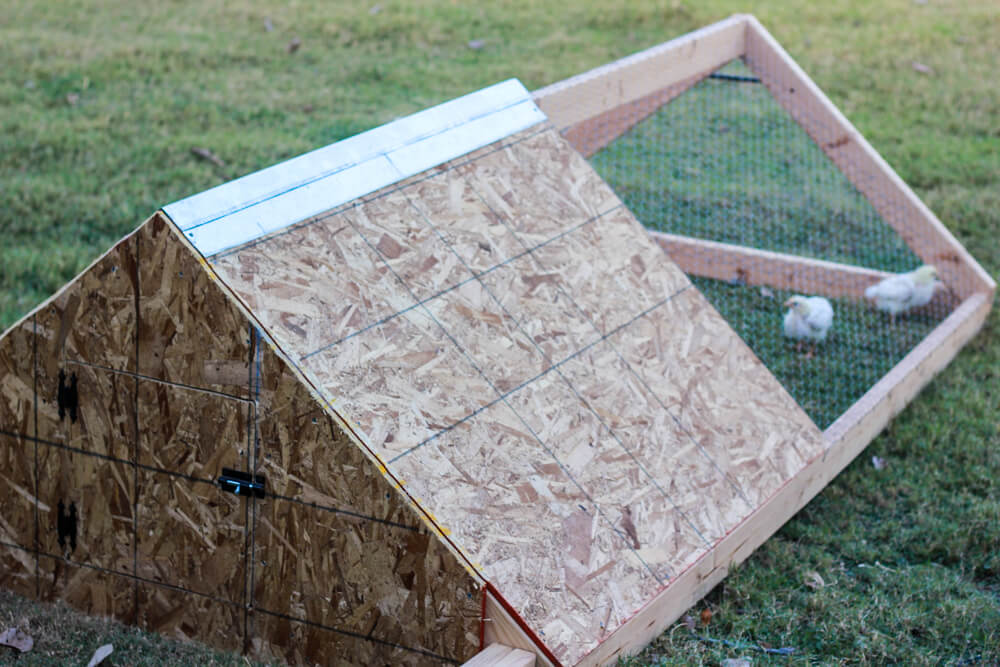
(110, 502)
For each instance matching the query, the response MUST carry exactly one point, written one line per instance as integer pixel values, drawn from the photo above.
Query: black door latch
(241, 483)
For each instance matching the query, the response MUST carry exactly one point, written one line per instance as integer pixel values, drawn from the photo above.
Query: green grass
(151, 80)
(63, 636)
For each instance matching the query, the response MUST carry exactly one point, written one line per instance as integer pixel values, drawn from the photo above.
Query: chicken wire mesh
(723, 161)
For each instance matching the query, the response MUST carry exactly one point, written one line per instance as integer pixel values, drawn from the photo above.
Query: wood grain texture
(314, 284)
(540, 187)
(99, 493)
(497, 394)
(623, 276)
(105, 422)
(17, 514)
(721, 394)
(17, 377)
(186, 322)
(400, 382)
(17, 459)
(530, 528)
(90, 590)
(841, 445)
(343, 549)
(191, 534)
(190, 617)
(191, 432)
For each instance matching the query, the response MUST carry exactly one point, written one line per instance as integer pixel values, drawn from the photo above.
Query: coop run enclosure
(506, 371)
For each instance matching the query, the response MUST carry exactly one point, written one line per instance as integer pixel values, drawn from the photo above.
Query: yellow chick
(903, 291)
(809, 318)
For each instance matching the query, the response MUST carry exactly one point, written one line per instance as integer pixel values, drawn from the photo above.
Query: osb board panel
(488, 336)
(189, 616)
(314, 284)
(300, 643)
(541, 186)
(564, 495)
(88, 589)
(536, 535)
(190, 333)
(93, 319)
(607, 470)
(191, 432)
(364, 576)
(191, 534)
(721, 394)
(400, 382)
(624, 274)
(17, 390)
(17, 514)
(340, 547)
(17, 570)
(105, 414)
(17, 491)
(407, 245)
(456, 211)
(91, 499)
(691, 480)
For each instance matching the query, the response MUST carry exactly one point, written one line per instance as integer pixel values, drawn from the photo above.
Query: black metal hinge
(67, 396)
(241, 483)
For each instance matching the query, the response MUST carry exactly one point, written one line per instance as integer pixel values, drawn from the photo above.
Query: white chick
(809, 318)
(903, 291)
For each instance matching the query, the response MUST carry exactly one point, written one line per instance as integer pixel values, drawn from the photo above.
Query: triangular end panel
(127, 400)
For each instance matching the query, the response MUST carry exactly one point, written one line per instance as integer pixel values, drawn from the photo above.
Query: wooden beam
(502, 628)
(498, 655)
(863, 166)
(723, 261)
(638, 76)
(591, 135)
(845, 439)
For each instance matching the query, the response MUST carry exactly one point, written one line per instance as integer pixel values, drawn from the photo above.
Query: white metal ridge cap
(273, 181)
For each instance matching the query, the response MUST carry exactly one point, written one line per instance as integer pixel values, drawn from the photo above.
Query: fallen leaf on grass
(814, 581)
(922, 68)
(706, 616)
(879, 463)
(100, 654)
(16, 639)
(208, 155)
(735, 662)
(294, 45)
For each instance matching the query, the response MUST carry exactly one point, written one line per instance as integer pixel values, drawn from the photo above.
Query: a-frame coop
(435, 387)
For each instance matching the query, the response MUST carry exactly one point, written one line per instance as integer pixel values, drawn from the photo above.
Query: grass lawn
(102, 101)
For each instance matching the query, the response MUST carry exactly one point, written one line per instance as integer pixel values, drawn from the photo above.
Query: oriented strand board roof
(503, 334)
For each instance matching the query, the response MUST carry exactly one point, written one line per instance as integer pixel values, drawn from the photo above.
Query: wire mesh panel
(722, 162)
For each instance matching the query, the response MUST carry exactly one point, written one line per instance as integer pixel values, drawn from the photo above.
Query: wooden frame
(596, 107)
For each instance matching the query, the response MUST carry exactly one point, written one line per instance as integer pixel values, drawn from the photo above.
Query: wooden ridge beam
(591, 135)
(591, 94)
